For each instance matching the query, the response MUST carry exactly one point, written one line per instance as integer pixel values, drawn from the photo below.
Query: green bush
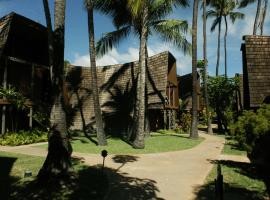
(252, 131)
(23, 137)
(185, 121)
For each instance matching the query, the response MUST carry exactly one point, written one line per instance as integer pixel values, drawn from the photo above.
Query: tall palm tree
(205, 74)
(222, 9)
(194, 128)
(217, 13)
(228, 11)
(260, 13)
(58, 160)
(101, 137)
(143, 18)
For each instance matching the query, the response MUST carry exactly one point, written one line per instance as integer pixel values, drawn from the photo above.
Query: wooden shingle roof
(256, 70)
(24, 39)
(122, 79)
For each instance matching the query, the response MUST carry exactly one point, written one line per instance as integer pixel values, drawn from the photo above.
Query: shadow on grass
(84, 183)
(235, 191)
(171, 135)
(6, 165)
(231, 192)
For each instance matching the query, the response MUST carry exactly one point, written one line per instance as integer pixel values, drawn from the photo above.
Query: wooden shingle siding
(118, 77)
(256, 70)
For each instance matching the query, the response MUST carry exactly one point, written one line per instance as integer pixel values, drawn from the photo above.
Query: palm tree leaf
(245, 3)
(215, 23)
(236, 15)
(111, 39)
(180, 25)
(211, 13)
(173, 35)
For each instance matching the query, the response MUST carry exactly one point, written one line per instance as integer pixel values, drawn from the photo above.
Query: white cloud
(111, 58)
(132, 54)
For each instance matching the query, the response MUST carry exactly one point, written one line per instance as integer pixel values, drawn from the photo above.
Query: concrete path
(170, 176)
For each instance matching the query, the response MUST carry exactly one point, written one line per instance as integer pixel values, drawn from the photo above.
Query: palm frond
(111, 39)
(236, 15)
(136, 6)
(174, 35)
(245, 3)
(211, 13)
(215, 23)
(178, 25)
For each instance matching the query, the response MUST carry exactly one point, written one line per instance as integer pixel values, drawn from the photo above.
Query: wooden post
(32, 96)
(31, 118)
(3, 127)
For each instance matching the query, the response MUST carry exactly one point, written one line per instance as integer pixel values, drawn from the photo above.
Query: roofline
(127, 63)
(12, 15)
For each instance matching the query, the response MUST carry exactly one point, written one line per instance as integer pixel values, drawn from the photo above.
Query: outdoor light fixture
(27, 173)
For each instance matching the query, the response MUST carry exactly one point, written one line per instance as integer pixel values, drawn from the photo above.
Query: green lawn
(87, 182)
(231, 148)
(241, 181)
(154, 144)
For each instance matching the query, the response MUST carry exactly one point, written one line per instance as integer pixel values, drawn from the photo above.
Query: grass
(86, 182)
(231, 148)
(154, 144)
(241, 181)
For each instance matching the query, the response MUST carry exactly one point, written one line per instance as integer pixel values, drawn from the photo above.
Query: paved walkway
(170, 176)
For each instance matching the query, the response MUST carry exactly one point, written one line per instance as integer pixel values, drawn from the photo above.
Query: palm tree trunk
(146, 120)
(225, 45)
(50, 35)
(209, 121)
(218, 49)
(58, 160)
(140, 96)
(263, 15)
(101, 137)
(194, 128)
(257, 17)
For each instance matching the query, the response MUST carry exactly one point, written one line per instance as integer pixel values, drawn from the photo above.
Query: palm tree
(205, 74)
(143, 18)
(260, 13)
(222, 9)
(94, 85)
(58, 160)
(228, 11)
(217, 4)
(194, 128)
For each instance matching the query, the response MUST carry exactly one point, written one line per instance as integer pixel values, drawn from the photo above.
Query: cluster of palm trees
(143, 18)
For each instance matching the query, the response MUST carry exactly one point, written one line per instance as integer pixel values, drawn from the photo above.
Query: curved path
(170, 176)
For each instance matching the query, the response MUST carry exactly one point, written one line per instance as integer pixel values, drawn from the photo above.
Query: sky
(76, 36)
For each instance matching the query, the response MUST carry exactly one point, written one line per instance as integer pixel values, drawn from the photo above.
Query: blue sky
(76, 45)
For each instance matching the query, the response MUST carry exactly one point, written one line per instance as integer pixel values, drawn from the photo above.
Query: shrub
(185, 121)
(252, 131)
(23, 137)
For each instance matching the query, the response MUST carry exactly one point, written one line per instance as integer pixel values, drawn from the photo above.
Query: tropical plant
(58, 160)
(260, 13)
(252, 131)
(223, 9)
(23, 137)
(222, 92)
(143, 18)
(101, 137)
(14, 97)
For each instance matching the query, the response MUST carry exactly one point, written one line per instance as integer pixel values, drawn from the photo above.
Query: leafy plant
(15, 97)
(185, 121)
(221, 92)
(23, 137)
(252, 131)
